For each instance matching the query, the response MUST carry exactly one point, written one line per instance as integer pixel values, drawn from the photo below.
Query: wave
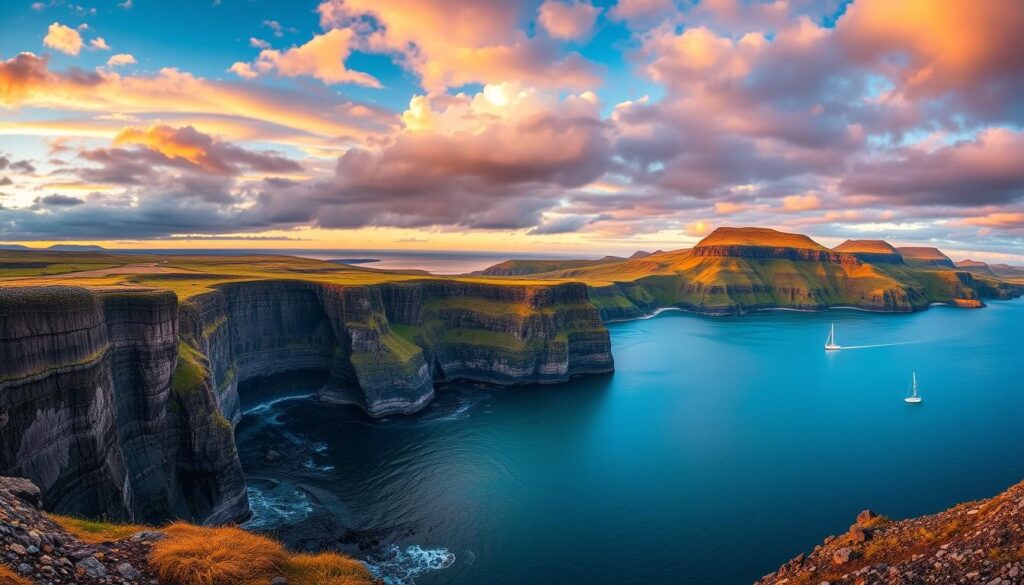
(266, 406)
(846, 347)
(276, 506)
(399, 566)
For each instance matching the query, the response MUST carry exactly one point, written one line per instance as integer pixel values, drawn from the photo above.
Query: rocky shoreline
(35, 547)
(978, 542)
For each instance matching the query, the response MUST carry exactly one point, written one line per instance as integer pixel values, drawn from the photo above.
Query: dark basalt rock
(89, 412)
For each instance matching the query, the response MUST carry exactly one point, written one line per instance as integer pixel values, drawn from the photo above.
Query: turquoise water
(719, 449)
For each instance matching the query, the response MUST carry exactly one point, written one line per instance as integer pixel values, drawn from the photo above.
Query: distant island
(353, 261)
(737, 270)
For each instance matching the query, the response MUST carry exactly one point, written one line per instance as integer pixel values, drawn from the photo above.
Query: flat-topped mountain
(734, 270)
(760, 237)
(866, 246)
(924, 255)
(872, 251)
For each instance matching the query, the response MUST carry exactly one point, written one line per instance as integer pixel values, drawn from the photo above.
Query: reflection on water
(719, 449)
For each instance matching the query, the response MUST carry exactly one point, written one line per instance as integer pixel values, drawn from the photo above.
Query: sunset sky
(559, 126)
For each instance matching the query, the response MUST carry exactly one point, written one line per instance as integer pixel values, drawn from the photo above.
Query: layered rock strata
(122, 403)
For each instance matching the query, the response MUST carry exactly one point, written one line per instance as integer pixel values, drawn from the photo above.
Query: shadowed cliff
(121, 403)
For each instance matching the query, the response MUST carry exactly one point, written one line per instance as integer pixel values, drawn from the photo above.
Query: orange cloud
(26, 81)
(945, 43)
(164, 140)
(120, 60)
(800, 202)
(572, 20)
(452, 44)
(63, 38)
(996, 220)
(323, 58)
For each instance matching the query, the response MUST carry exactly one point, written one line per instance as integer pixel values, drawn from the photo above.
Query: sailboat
(914, 398)
(830, 343)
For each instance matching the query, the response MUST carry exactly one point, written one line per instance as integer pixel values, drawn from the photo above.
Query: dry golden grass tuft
(9, 577)
(326, 569)
(196, 555)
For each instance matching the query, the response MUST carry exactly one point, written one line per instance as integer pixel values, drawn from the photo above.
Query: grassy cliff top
(191, 275)
(750, 236)
(866, 246)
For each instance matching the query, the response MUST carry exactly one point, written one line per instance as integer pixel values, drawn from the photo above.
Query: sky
(535, 126)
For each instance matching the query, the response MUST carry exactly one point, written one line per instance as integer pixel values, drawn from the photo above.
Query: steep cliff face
(86, 407)
(387, 345)
(122, 403)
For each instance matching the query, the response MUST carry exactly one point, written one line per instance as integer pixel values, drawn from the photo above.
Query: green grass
(189, 373)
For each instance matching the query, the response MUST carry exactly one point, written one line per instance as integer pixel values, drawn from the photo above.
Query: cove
(718, 449)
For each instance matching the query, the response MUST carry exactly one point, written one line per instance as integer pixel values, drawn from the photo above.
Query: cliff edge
(119, 402)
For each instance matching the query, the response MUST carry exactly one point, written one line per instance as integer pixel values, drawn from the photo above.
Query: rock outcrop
(121, 404)
(39, 550)
(976, 542)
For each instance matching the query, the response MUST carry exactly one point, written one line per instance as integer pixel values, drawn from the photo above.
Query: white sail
(914, 398)
(830, 343)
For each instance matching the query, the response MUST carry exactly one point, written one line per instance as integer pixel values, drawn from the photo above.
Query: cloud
(560, 225)
(185, 148)
(59, 201)
(801, 202)
(494, 160)
(120, 60)
(998, 219)
(572, 20)
(274, 26)
(99, 44)
(305, 118)
(63, 38)
(942, 49)
(454, 44)
(258, 43)
(323, 58)
(5, 181)
(986, 170)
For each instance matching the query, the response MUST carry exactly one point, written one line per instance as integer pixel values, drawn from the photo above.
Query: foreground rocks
(40, 550)
(978, 542)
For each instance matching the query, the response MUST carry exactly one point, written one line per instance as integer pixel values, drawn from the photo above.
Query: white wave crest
(399, 566)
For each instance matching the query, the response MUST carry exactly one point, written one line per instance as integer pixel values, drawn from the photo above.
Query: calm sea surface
(719, 449)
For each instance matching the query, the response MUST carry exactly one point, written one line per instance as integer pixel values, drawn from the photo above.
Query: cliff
(736, 270)
(87, 410)
(120, 403)
(976, 542)
(925, 256)
(871, 251)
